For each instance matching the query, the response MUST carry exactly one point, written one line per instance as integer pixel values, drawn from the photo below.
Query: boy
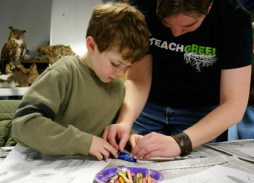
(67, 108)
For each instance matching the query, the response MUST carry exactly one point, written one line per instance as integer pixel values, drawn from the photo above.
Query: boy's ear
(90, 44)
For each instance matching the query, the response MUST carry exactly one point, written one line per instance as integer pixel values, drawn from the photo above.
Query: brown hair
(166, 8)
(120, 26)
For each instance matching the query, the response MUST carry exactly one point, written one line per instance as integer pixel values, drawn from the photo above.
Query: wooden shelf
(41, 64)
(35, 61)
(18, 91)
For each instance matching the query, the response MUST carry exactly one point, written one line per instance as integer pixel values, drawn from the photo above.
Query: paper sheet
(216, 174)
(241, 148)
(25, 165)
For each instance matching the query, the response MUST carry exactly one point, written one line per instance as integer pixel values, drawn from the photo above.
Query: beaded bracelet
(184, 143)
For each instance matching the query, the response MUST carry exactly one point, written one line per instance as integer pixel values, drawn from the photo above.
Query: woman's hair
(166, 8)
(122, 27)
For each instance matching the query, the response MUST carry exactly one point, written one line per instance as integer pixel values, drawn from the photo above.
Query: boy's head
(120, 27)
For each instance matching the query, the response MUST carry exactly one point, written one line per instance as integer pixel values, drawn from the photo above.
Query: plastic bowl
(105, 174)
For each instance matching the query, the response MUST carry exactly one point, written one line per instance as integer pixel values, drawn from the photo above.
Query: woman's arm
(138, 85)
(235, 86)
(234, 93)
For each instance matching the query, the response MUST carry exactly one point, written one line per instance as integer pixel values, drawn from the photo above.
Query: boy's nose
(121, 71)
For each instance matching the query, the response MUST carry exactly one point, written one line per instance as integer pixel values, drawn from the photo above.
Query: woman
(194, 83)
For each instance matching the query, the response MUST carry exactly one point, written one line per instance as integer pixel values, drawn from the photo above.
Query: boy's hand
(117, 132)
(102, 149)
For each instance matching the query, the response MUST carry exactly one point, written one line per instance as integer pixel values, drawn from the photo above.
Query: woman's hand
(134, 139)
(153, 145)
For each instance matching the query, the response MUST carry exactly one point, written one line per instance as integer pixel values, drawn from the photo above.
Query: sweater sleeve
(34, 125)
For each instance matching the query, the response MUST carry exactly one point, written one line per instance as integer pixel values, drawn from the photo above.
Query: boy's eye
(114, 64)
(129, 67)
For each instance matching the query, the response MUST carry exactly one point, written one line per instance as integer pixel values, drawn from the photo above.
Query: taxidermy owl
(14, 50)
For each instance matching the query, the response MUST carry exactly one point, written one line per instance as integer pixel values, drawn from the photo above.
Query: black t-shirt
(187, 69)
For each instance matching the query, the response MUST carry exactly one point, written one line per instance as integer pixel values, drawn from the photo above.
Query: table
(230, 154)
(203, 160)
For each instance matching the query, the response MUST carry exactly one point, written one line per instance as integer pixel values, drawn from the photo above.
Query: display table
(18, 91)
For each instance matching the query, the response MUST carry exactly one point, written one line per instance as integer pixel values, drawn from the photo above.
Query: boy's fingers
(113, 152)
(111, 138)
(110, 150)
(105, 134)
(99, 156)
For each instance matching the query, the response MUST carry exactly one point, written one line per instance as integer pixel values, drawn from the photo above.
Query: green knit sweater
(65, 107)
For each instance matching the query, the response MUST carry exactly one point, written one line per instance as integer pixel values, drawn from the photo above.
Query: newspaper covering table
(243, 149)
(27, 165)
